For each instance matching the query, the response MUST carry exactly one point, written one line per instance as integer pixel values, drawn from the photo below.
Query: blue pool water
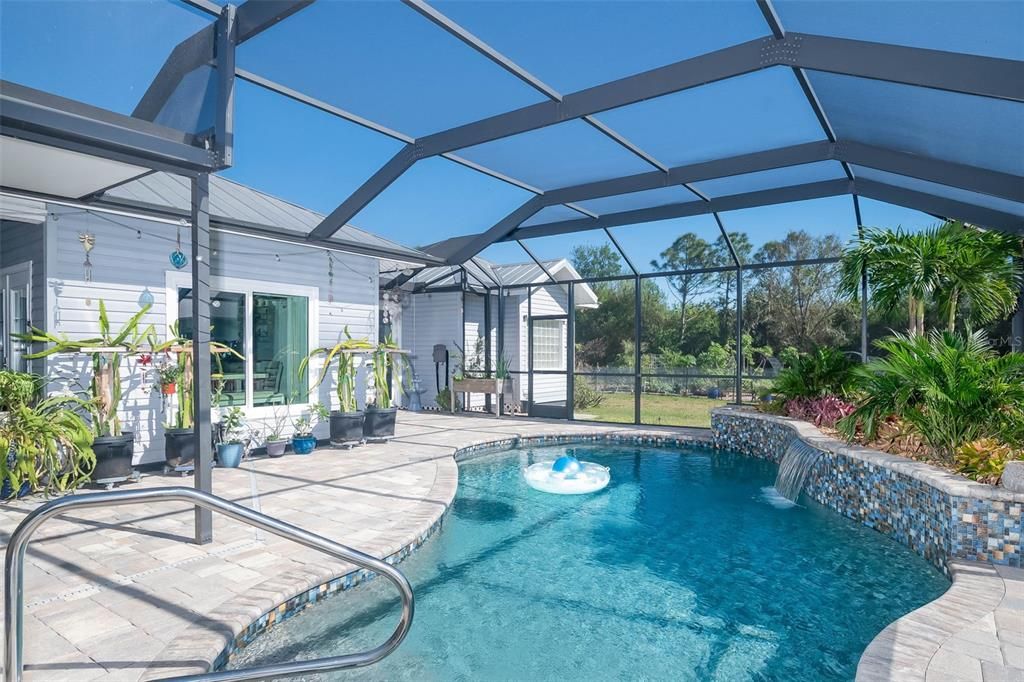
(680, 569)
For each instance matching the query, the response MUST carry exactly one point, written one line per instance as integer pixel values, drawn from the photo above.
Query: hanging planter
(169, 389)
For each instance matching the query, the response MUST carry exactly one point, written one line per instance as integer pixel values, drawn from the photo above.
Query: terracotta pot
(168, 389)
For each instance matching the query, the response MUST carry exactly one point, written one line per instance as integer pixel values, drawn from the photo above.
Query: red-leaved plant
(824, 411)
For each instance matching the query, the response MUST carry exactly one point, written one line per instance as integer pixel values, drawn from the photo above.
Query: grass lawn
(668, 410)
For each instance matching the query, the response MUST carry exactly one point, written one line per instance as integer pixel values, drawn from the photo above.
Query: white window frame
(248, 287)
(560, 326)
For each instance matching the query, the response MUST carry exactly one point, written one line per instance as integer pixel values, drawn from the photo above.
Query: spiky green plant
(824, 371)
(106, 354)
(949, 389)
(345, 351)
(386, 355)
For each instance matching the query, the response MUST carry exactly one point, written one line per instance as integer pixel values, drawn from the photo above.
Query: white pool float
(567, 476)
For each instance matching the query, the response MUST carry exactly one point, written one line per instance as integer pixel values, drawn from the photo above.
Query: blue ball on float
(567, 466)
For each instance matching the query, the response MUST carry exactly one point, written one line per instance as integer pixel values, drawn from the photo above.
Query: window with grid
(549, 344)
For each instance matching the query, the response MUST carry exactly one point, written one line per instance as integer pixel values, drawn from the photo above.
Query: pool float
(567, 476)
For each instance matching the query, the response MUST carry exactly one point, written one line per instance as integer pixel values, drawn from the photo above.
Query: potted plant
(275, 442)
(303, 440)
(112, 447)
(179, 430)
(380, 414)
(16, 389)
(346, 422)
(167, 378)
(48, 446)
(229, 449)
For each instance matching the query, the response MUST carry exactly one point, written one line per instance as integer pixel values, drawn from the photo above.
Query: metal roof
(234, 203)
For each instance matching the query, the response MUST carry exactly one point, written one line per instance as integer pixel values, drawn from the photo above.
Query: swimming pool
(680, 569)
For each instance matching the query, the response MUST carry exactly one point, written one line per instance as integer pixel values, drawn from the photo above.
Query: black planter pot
(113, 457)
(379, 423)
(179, 446)
(346, 426)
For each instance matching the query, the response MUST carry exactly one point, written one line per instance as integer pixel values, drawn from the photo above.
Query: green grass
(667, 410)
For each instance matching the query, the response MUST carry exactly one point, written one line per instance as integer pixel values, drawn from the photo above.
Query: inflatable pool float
(567, 476)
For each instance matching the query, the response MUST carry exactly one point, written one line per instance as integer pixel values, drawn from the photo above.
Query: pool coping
(955, 636)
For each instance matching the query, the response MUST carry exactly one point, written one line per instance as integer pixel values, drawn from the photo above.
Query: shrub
(444, 400)
(822, 372)
(824, 411)
(985, 459)
(949, 389)
(585, 395)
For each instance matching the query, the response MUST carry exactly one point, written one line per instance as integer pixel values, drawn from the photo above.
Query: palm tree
(983, 275)
(955, 265)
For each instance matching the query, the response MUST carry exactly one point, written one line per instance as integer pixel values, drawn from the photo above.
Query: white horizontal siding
(124, 265)
(429, 319)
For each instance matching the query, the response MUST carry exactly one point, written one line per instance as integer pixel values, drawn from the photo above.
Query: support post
(201, 352)
(739, 335)
(863, 289)
(501, 340)
(570, 355)
(638, 383)
(488, 365)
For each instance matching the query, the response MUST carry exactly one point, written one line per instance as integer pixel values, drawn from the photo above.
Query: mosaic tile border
(939, 515)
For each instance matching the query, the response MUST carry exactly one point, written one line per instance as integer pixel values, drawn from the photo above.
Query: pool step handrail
(14, 579)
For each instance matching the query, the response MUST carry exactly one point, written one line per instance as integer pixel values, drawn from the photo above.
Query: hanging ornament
(330, 277)
(88, 242)
(145, 298)
(178, 259)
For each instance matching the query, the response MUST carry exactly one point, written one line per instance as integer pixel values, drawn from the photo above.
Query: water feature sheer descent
(796, 464)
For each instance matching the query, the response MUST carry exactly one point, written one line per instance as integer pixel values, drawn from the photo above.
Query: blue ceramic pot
(303, 445)
(714, 393)
(229, 454)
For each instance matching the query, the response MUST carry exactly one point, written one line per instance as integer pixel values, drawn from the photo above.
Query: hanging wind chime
(330, 277)
(88, 241)
(177, 257)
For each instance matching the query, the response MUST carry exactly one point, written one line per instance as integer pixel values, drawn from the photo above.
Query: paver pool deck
(123, 594)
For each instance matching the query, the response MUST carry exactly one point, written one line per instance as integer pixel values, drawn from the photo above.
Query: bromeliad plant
(107, 352)
(346, 352)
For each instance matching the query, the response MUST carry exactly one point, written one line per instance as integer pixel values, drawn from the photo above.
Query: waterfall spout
(796, 463)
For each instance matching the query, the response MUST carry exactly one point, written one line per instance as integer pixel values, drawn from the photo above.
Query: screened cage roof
(465, 124)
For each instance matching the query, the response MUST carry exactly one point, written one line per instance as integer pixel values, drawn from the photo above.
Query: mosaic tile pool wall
(937, 514)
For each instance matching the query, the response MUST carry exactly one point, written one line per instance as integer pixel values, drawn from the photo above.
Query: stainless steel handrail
(14, 579)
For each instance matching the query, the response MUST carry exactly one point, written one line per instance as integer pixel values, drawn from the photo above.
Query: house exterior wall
(428, 319)
(131, 255)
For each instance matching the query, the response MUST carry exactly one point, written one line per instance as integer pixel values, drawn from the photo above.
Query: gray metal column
(638, 382)
(201, 387)
(739, 335)
(570, 355)
(501, 338)
(863, 289)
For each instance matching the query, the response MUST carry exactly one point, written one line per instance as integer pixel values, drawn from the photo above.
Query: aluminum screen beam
(251, 18)
(814, 190)
(462, 249)
(970, 74)
(42, 117)
(958, 175)
(929, 203)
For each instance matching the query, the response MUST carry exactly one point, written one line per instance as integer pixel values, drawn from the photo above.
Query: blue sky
(383, 61)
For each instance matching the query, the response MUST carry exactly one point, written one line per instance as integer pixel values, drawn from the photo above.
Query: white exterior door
(15, 312)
